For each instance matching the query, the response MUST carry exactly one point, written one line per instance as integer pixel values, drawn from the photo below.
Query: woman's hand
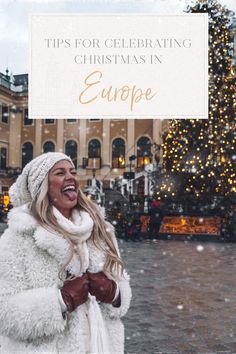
(75, 292)
(101, 287)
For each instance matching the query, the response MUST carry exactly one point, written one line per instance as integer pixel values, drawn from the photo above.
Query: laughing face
(63, 187)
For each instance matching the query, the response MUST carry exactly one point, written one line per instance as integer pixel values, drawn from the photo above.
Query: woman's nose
(69, 175)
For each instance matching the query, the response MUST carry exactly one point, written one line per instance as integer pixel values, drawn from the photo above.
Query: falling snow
(200, 248)
(180, 307)
(183, 300)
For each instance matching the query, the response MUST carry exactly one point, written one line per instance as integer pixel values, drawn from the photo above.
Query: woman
(62, 284)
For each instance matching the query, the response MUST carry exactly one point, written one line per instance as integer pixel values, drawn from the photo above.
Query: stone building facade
(100, 147)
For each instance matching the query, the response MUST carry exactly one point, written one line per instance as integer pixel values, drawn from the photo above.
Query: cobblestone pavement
(184, 297)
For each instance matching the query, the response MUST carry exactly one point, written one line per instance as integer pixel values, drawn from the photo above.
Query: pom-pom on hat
(28, 183)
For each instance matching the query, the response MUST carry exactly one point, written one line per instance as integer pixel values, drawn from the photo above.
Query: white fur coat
(31, 319)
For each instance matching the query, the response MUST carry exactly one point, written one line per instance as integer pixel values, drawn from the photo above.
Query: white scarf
(81, 224)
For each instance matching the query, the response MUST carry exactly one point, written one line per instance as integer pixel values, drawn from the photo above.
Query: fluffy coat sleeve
(124, 286)
(26, 313)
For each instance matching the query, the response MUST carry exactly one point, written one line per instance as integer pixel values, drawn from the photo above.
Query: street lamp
(130, 175)
(131, 158)
(96, 188)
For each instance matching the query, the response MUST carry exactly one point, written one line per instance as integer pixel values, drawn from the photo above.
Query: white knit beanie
(27, 185)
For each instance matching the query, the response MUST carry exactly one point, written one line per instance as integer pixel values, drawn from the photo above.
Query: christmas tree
(199, 155)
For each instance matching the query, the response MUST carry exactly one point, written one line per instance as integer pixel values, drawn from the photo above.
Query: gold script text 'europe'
(132, 94)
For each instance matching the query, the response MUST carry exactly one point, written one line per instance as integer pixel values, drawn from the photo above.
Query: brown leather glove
(101, 287)
(75, 292)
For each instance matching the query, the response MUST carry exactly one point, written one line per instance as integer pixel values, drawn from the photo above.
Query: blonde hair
(41, 208)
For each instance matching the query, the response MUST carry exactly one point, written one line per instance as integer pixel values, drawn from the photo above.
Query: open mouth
(70, 191)
(68, 188)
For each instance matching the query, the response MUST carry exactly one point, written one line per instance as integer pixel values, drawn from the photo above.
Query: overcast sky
(14, 20)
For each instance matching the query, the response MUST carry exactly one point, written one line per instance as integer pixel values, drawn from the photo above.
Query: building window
(94, 119)
(3, 158)
(118, 153)
(71, 150)
(49, 121)
(71, 120)
(94, 154)
(27, 120)
(5, 113)
(144, 154)
(27, 153)
(94, 148)
(49, 146)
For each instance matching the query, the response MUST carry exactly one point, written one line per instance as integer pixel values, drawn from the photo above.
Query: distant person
(2, 213)
(9, 206)
(136, 226)
(155, 219)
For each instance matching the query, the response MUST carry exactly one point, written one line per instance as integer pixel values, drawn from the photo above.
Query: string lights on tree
(203, 151)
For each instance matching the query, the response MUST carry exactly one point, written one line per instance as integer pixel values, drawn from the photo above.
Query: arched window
(118, 153)
(94, 148)
(27, 153)
(144, 154)
(3, 158)
(49, 146)
(71, 150)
